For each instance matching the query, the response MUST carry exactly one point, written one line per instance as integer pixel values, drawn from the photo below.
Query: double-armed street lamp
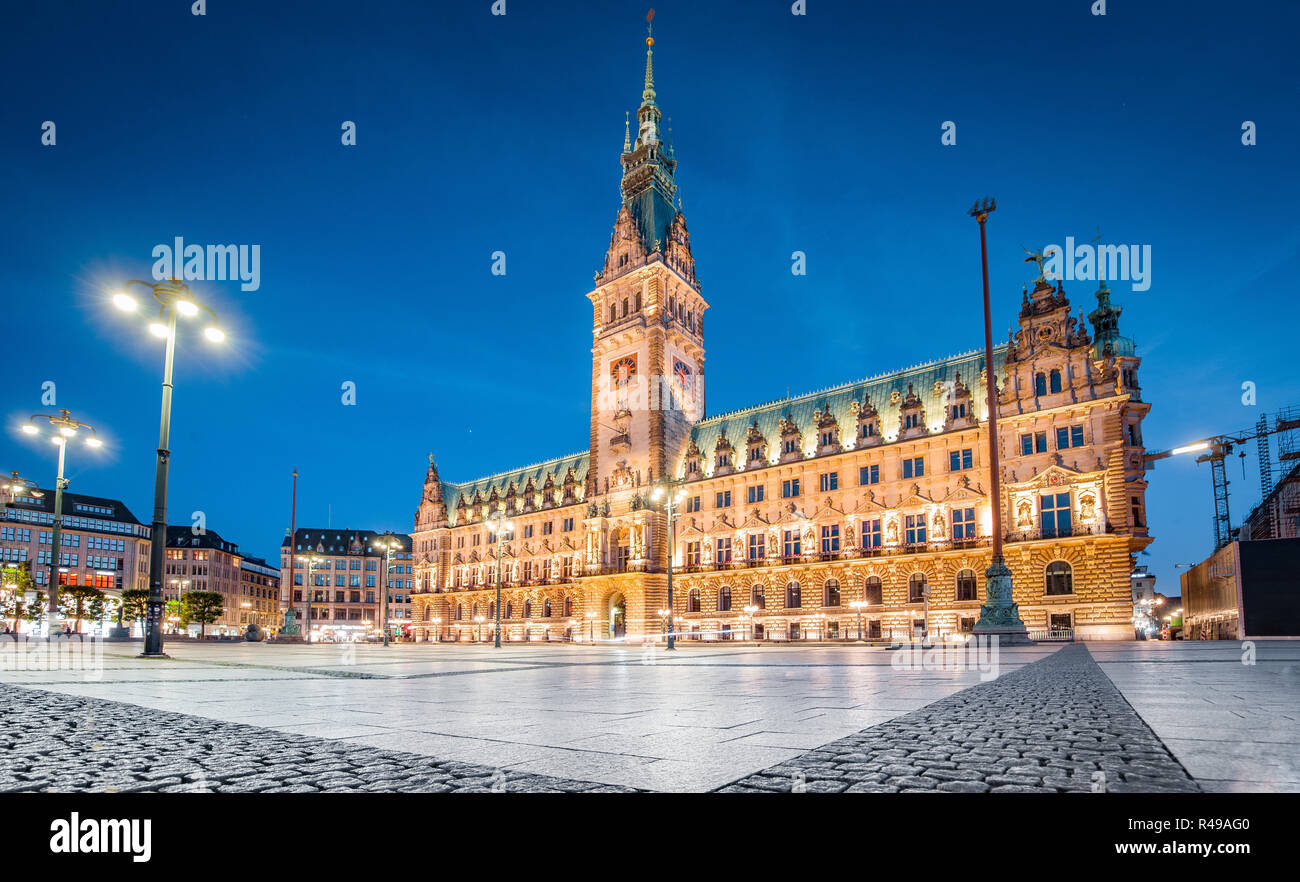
(499, 527)
(173, 298)
(478, 629)
(389, 543)
(671, 494)
(750, 609)
(65, 429)
(858, 605)
(312, 562)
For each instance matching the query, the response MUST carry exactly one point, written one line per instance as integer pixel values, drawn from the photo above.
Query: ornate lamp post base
(999, 615)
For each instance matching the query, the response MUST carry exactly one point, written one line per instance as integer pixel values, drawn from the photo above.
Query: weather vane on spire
(650, 28)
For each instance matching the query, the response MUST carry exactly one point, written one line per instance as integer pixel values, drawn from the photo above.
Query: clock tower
(647, 369)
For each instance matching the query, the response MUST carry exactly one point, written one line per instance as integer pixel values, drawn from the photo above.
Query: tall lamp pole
(500, 526)
(999, 616)
(672, 495)
(173, 298)
(311, 586)
(65, 429)
(389, 544)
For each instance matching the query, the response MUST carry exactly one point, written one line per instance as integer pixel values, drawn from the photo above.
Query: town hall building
(858, 511)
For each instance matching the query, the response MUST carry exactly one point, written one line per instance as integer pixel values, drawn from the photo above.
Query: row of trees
(82, 602)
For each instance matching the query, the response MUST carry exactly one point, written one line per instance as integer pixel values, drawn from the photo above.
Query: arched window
(916, 588)
(831, 593)
(1059, 578)
(724, 598)
(793, 599)
(693, 600)
(473, 612)
(756, 597)
(1040, 383)
(966, 585)
(546, 608)
(568, 607)
(1056, 380)
(872, 592)
(460, 612)
(528, 609)
(510, 609)
(492, 609)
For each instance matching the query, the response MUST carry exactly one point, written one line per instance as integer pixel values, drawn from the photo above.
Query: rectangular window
(722, 499)
(1069, 436)
(915, 525)
(548, 528)
(1026, 444)
(963, 523)
(831, 539)
(755, 494)
(692, 554)
(1137, 511)
(871, 533)
(1054, 514)
(567, 527)
(790, 543)
(723, 551)
(757, 546)
(869, 474)
(867, 430)
(528, 531)
(1040, 442)
(692, 504)
(914, 467)
(959, 411)
(829, 481)
(960, 459)
(790, 488)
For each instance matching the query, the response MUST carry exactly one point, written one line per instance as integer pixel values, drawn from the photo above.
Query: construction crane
(1215, 451)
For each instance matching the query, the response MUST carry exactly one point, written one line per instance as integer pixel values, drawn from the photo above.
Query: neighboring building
(867, 491)
(1146, 621)
(103, 544)
(345, 594)
(259, 594)
(206, 562)
(1242, 591)
(1278, 516)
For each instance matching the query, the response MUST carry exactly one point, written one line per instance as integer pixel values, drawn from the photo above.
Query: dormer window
(867, 430)
(911, 420)
(790, 445)
(724, 460)
(959, 411)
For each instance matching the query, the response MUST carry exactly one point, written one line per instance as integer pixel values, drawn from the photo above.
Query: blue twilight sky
(477, 133)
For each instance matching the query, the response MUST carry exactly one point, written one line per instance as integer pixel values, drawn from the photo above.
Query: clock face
(1045, 333)
(622, 370)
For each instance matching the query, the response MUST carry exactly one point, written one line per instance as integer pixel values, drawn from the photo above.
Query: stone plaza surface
(464, 717)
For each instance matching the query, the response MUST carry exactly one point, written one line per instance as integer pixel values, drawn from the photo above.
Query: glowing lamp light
(158, 329)
(1191, 448)
(31, 429)
(214, 334)
(94, 442)
(125, 302)
(67, 431)
(187, 308)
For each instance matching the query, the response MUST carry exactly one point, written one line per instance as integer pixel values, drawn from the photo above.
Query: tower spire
(627, 132)
(648, 96)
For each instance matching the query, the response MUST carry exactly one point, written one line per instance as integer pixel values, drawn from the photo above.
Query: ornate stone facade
(866, 492)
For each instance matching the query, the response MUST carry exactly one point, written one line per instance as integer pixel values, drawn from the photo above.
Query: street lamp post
(591, 628)
(478, 629)
(65, 429)
(437, 629)
(173, 298)
(749, 615)
(858, 605)
(672, 495)
(389, 544)
(999, 615)
(312, 563)
(499, 526)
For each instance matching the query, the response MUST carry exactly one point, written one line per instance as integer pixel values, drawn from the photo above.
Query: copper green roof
(923, 379)
(538, 472)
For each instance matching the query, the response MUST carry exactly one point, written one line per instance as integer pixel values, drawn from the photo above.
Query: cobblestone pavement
(1058, 725)
(60, 743)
